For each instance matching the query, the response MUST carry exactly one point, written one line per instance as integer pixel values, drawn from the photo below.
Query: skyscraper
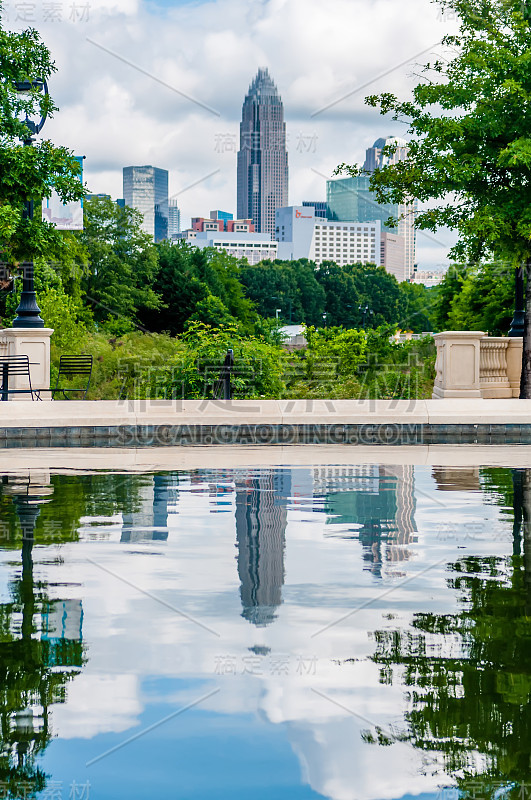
(174, 218)
(374, 159)
(262, 158)
(146, 189)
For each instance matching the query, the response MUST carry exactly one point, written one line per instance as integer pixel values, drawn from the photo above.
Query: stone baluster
(493, 379)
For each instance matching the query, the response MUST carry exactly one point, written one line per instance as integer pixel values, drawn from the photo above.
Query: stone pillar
(514, 363)
(457, 365)
(35, 343)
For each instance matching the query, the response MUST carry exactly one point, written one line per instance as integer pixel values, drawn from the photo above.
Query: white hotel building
(255, 247)
(301, 234)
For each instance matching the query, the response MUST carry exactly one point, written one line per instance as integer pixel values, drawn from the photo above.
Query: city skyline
(116, 114)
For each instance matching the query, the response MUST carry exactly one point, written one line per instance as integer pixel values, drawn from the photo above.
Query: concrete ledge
(143, 423)
(67, 460)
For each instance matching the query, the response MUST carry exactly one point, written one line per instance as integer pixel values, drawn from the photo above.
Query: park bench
(73, 367)
(16, 366)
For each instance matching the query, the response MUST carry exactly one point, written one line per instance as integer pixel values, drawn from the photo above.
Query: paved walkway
(58, 414)
(159, 422)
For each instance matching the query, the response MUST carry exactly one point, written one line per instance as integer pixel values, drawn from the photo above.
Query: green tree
(118, 284)
(289, 285)
(29, 173)
(470, 148)
(418, 307)
(485, 302)
(259, 365)
(449, 288)
(349, 289)
(188, 277)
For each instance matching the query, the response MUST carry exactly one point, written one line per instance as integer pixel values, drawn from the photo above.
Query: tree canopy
(469, 157)
(29, 173)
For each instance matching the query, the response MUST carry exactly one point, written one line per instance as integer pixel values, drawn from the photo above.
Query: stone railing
(472, 364)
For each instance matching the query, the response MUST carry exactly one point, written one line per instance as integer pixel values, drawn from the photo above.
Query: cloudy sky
(162, 82)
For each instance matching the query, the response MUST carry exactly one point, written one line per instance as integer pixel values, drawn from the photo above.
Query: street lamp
(277, 312)
(366, 311)
(28, 312)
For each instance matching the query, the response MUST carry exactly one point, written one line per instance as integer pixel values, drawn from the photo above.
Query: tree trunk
(525, 382)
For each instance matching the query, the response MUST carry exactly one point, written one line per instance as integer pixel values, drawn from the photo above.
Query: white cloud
(116, 115)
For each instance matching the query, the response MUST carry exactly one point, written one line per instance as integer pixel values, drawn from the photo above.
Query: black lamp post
(28, 312)
(517, 324)
(366, 310)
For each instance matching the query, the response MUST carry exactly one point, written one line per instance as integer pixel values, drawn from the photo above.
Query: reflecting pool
(350, 631)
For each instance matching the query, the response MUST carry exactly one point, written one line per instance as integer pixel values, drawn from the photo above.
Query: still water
(340, 632)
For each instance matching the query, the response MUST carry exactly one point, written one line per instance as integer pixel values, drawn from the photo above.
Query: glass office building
(146, 189)
(174, 218)
(351, 200)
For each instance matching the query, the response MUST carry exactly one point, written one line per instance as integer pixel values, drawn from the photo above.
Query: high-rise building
(262, 158)
(374, 158)
(174, 218)
(351, 199)
(146, 189)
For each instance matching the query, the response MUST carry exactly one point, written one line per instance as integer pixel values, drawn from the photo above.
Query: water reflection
(40, 646)
(261, 517)
(365, 654)
(468, 674)
(149, 522)
(377, 504)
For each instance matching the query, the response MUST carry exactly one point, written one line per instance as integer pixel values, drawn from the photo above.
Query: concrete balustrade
(472, 364)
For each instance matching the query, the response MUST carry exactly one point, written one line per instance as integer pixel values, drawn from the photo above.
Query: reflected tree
(468, 674)
(35, 664)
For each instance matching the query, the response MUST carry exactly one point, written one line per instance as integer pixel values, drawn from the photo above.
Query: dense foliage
(469, 159)
(29, 173)
(354, 295)
(479, 298)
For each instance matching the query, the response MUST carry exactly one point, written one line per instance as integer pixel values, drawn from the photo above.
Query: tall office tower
(146, 189)
(174, 218)
(262, 158)
(374, 157)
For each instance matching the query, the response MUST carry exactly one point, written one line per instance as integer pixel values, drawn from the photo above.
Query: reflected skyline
(377, 504)
(304, 579)
(261, 518)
